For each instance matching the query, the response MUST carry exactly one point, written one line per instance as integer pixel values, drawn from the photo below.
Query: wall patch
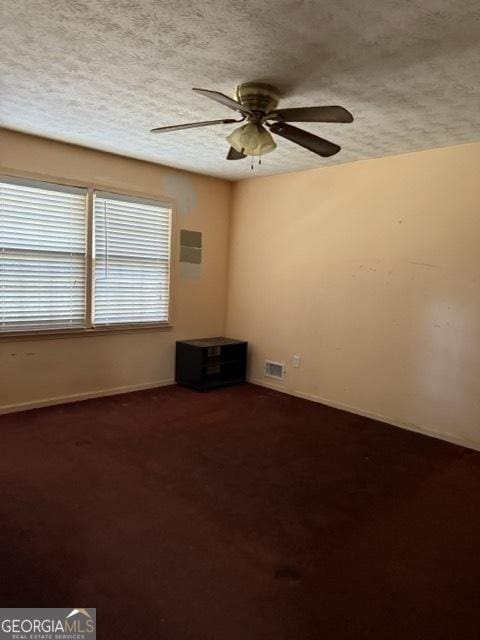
(190, 246)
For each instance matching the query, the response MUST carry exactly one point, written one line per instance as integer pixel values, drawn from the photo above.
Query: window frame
(89, 328)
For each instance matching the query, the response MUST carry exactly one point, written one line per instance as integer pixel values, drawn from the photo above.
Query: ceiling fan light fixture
(252, 139)
(257, 103)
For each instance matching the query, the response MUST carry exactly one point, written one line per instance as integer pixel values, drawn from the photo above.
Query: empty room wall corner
(369, 272)
(234, 186)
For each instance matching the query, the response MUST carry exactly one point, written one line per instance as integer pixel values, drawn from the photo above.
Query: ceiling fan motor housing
(258, 97)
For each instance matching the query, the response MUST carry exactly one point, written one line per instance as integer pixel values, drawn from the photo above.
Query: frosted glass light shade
(252, 140)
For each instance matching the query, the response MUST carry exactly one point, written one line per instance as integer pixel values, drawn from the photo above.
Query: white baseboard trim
(87, 395)
(368, 414)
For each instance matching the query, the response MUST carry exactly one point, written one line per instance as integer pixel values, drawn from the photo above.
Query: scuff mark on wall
(425, 264)
(182, 189)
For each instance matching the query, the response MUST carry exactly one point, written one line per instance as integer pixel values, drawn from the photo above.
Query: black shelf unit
(208, 363)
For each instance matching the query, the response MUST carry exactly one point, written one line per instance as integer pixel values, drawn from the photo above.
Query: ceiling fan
(257, 103)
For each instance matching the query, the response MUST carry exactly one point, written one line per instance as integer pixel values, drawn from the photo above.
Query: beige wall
(369, 271)
(37, 371)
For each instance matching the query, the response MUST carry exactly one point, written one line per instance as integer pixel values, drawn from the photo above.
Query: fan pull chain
(259, 160)
(251, 162)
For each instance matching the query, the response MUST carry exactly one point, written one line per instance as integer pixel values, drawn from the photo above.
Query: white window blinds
(42, 256)
(132, 260)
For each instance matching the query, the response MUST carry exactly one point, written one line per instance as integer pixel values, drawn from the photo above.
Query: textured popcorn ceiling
(101, 73)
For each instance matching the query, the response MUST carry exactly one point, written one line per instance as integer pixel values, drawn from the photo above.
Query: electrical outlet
(296, 361)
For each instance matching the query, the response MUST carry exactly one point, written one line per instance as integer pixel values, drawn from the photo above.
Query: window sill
(14, 336)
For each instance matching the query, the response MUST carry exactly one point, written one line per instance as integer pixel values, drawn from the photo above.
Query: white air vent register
(274, 369)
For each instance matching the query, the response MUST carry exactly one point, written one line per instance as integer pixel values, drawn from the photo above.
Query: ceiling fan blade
(312, 114)
(233, 154)
(225, 100)
(305, 139)
(191, 125)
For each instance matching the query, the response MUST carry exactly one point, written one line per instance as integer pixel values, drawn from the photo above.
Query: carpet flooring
(239, 514)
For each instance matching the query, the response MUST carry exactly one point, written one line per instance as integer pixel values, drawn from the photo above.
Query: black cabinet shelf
(219, 362)
(208, 363)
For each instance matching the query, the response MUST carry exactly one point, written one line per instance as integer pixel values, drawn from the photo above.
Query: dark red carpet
(240, 514)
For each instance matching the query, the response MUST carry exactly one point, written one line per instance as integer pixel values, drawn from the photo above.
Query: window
(70, 261)
(42, 257)
(132, 260)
